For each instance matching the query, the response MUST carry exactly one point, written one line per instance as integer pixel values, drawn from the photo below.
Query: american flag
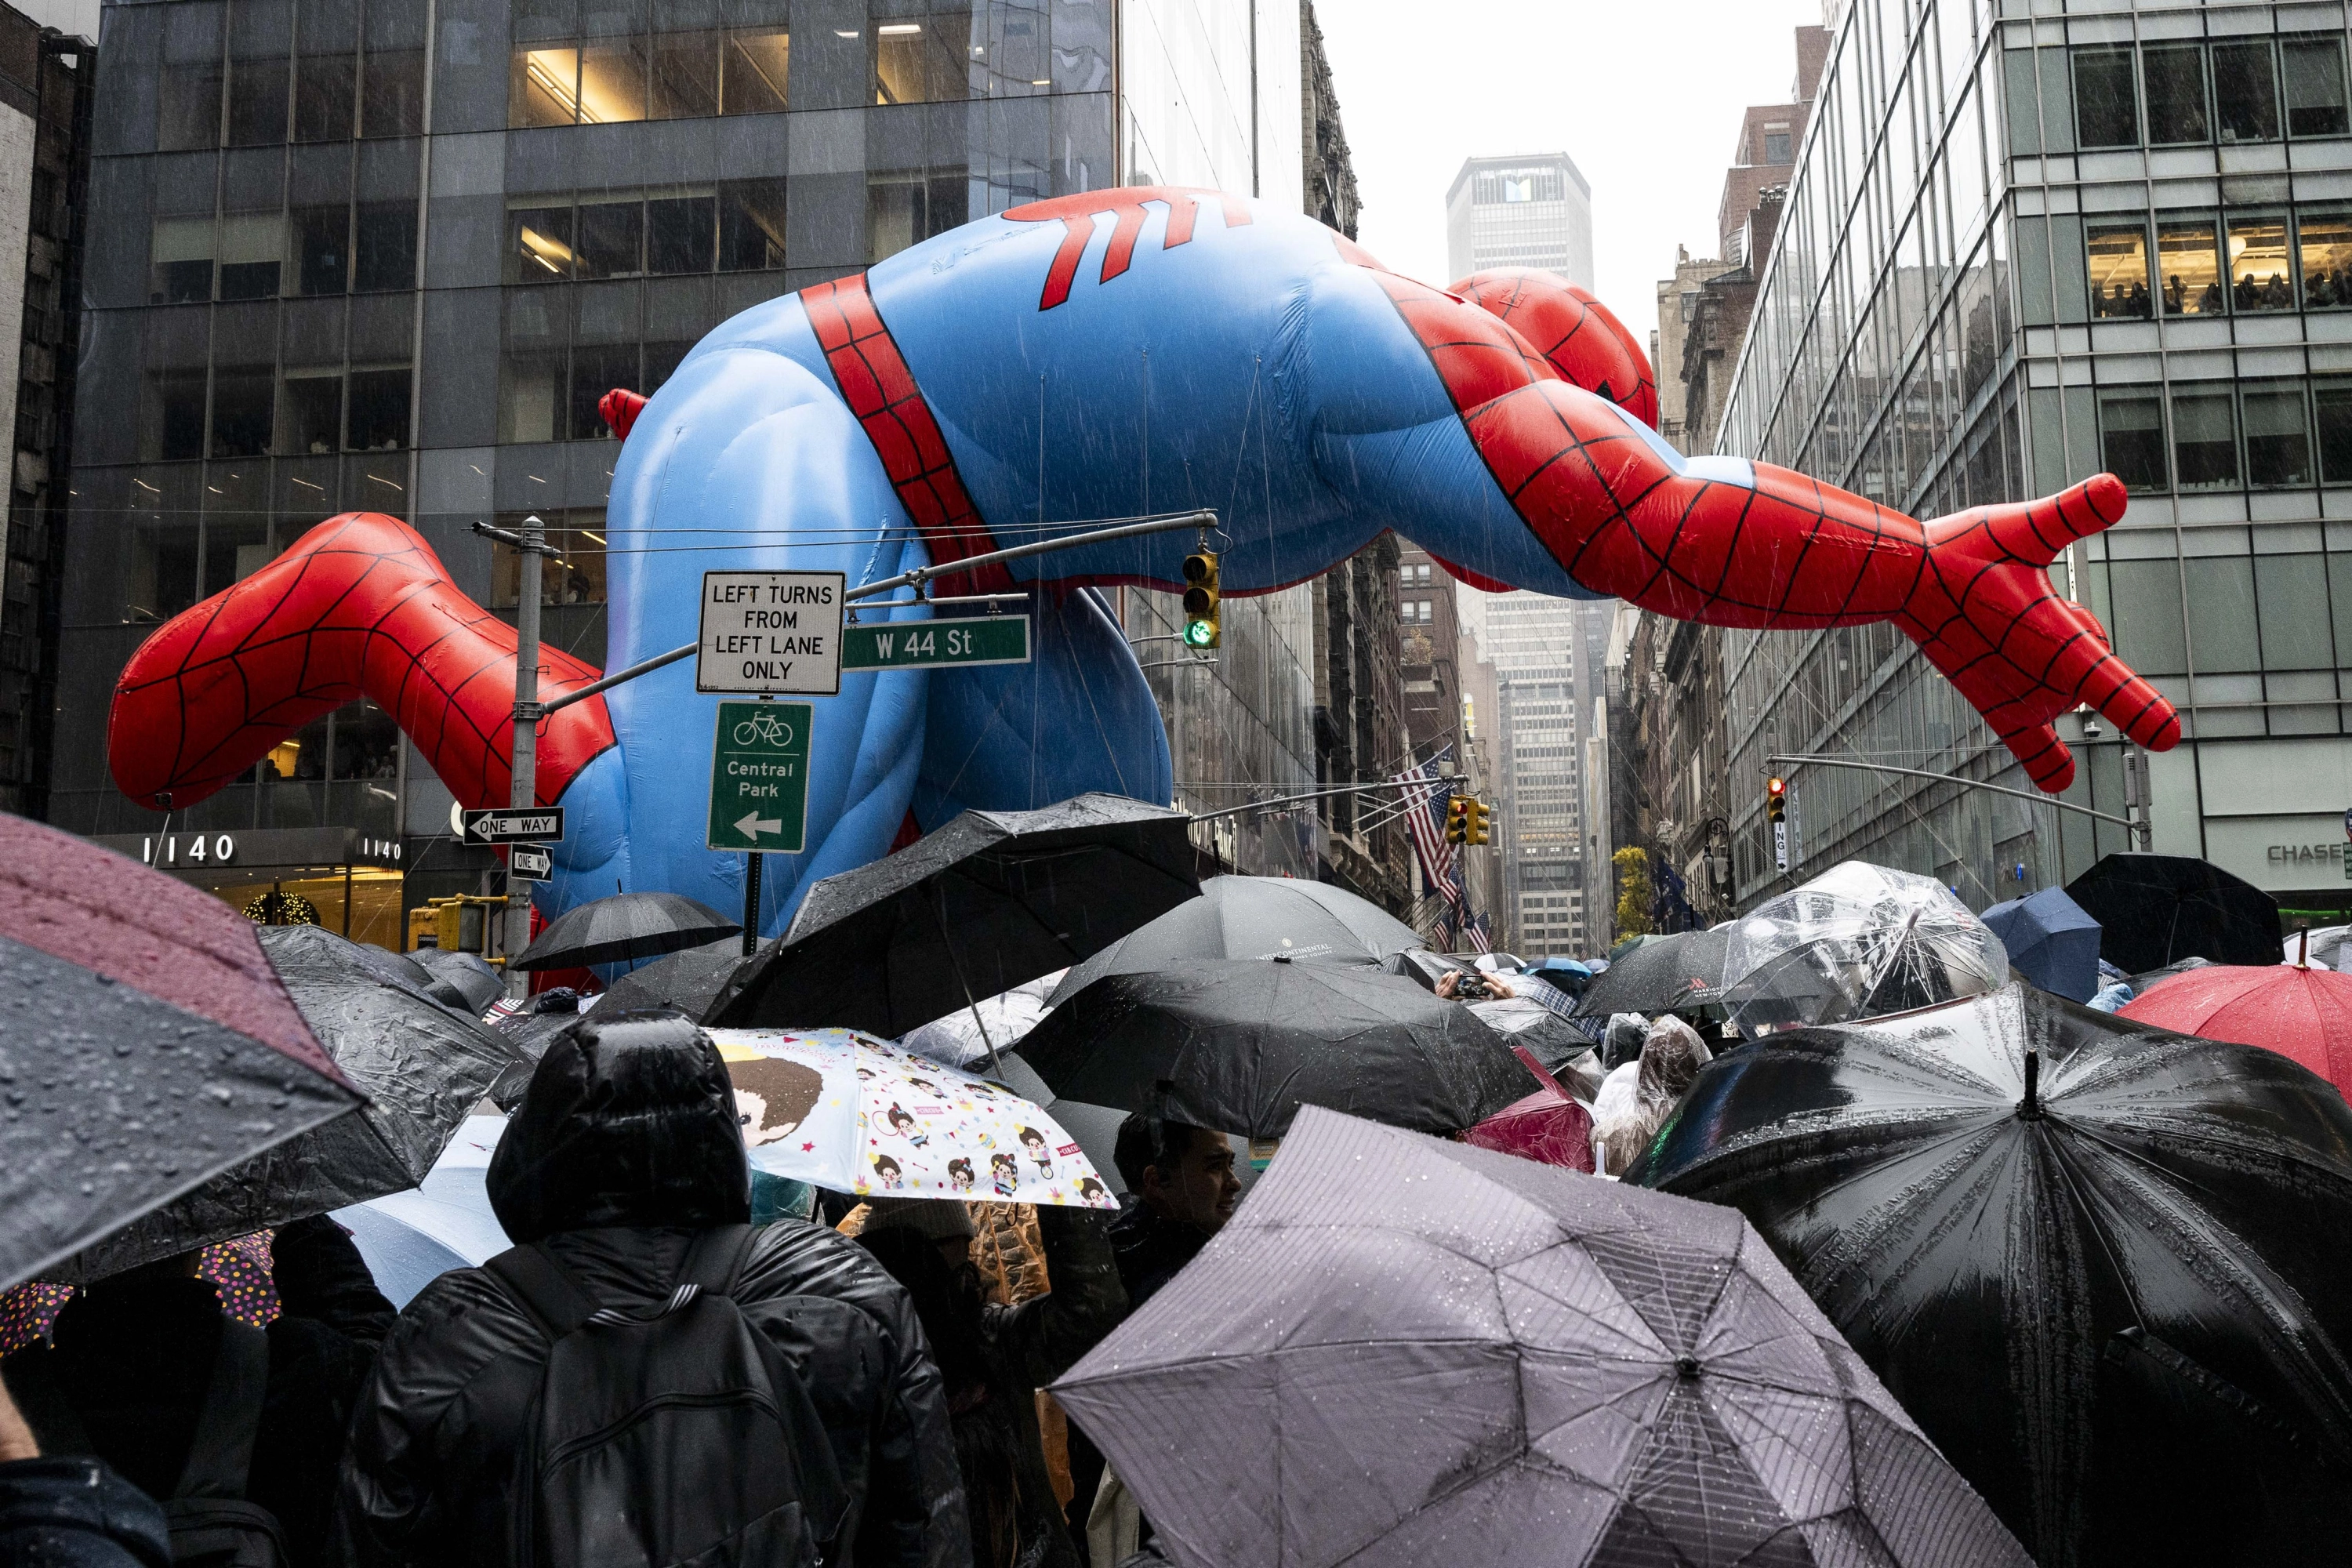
(1476, 928)
(1424, 800)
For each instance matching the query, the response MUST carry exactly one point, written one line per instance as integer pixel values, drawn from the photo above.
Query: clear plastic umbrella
(1856, 941)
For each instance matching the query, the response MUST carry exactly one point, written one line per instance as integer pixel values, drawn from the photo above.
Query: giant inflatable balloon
(1115, 355)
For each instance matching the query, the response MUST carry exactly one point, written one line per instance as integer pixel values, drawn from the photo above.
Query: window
(386, 251)
(2324, 244)
(326, 98)
(2106, 103)
(545, 87)
(611, 238)
(2188, 258)
(538, 243)
(188, 106)
(597, 369)
(2175, 75)
(252, 249)
(242, 403)
(613, 73)
(2260, 268)
(379, 411)
(572, 572)
(181, 261)
(171, 415)
(923, 62)
(2314, 86)
(2146, 598)
(393, 100)
(310, 414)
(1775, 144)
(685, 82)
(2204, 440)
(681, 234)
(2119, 261)
(2333, 403)
(256, 103)
(2131, 438)
(321, 249)
(905, 208)
(2246, 91)
(753, 68)
(751, 225)
(2278, 435)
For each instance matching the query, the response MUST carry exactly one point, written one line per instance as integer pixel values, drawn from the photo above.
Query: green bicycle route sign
(913, 645)
(759, 777)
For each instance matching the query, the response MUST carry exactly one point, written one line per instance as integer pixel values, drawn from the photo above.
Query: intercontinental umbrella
(424, 1066)
(1405, 1351)
(624, 927)
(2096, 1262)
(992, 899)
(2155, 910)
(2051, 941)
(1253, 917)
(2304, 1014)
(1661, 975)
(1239, 1045)
(148, 1046)
(1855, 942)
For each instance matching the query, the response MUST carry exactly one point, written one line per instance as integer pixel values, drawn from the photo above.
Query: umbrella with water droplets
(146, 1045)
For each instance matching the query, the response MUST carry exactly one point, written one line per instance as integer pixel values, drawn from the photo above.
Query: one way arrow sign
(542, 826)
(751, 824)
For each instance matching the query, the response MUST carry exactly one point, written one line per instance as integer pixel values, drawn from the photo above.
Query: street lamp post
(531, 545)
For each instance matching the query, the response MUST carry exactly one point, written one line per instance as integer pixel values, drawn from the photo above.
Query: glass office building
(360, 254)
(2026, 240)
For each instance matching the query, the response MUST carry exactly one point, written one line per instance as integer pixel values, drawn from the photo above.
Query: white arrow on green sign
(914, 644)
(759, 777)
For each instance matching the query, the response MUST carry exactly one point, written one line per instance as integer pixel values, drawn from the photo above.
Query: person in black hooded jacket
(626, 1147)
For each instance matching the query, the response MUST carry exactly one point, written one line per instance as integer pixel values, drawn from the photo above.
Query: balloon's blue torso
(1251, 369)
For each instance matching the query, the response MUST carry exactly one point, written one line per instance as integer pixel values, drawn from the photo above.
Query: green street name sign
(759, 777)
(912, 645)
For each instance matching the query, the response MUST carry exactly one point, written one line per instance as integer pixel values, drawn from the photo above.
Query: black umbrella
(1402, 1351)
(1664, 973)
(689, 981)
(2157, 910)
(464, 978)
(424, 1065)
(526, 1035)
(2061, 1239)
(1560, 1046)
(992, 899)
(1239, 1045)
(145, 1046)
(623, 927)
(1253, 917)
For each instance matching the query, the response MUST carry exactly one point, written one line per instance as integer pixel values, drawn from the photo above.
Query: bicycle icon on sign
(763, 730)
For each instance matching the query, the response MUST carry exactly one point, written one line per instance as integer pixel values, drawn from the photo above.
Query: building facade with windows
(2023, 244)
(1531, 211)
(352, 254)
(1533, 644)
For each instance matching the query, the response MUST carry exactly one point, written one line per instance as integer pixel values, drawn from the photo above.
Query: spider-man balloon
(1095, 356)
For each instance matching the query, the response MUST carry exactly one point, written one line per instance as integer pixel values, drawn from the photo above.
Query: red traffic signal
(1777, 787)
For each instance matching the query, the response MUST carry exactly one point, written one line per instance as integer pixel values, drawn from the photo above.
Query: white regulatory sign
(770, 632)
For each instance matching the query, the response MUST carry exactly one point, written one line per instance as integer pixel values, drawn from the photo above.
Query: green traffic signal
(1199, 634)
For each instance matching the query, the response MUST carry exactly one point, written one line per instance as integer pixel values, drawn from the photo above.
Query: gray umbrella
(624, 927)
(1661, 975)
(977, 907)
(1253, 917)
(1408, 1351)
(463, 979)
(423, 1064)
(689, 981)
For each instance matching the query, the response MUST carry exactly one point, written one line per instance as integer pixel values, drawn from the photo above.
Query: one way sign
(514, 827)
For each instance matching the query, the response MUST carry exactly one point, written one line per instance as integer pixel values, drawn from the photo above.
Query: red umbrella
(149, 1046)
(2301, 1014)
(1549, 1126)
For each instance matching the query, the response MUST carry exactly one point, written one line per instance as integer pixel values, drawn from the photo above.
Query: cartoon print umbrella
(149, 1046)
(852, 1114)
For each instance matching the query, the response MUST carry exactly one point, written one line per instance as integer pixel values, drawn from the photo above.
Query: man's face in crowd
(1201, 1189)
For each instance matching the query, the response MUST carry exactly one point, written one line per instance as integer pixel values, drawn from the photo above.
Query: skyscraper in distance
(1531, 210)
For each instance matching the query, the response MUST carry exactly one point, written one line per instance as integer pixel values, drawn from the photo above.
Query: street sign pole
(753, 861)
(523, 794)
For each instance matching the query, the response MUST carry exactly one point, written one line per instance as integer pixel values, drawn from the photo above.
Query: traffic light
(1201, 629)
(1776, 800)
(1457, 819)
(1479, 814)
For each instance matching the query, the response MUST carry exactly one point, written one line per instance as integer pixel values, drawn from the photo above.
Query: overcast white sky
(1644, 95)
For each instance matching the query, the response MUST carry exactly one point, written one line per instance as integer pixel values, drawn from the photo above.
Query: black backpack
(680, 1438)
(211, 1524)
